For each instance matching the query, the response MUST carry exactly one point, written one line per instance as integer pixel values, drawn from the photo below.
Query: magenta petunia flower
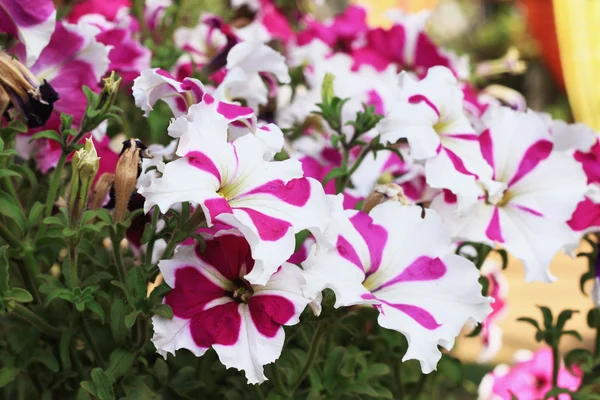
(215, 306)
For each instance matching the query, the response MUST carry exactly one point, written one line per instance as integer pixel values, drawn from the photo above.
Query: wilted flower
(126, 174)
(20, 89)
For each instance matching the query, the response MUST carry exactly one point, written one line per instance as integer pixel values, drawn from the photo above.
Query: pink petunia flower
(268, 201)
(529, 378)
(541, 189)
(108, 9)
(215, 306)
(429, 114)
(32, 22)
(403, 265)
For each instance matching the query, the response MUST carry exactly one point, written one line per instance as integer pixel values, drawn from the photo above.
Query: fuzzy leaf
(10, 209)
(7, 375)
(19, 295)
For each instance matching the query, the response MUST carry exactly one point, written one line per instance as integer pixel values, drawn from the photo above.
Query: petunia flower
(267, 201)
(529, 378)
(32, 22)
(541, 189)
(403, 265)
(429, 114)
(108, 9)
(215, 306)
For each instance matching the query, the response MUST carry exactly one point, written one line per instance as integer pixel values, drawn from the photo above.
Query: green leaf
(102, 385)
(65, 341)
(575, 334)
(593, 318)
(66, 120)
(94, 307)
(19, 295)
(126, 292)
(3, 271)
(47, 358)
(35, 213)
(373, 371)
(136, 389)
(10, 209)
(547, 314)
(60, 293)
(136, 282)
(8, 173)
(563, 317)
(118, 310)
(147, 235)
(530, 321)
(334, 173)
(131, 318)
(49, 134)
(54, 221)
(577, 357)
(163, 310)
(120, 363)
(7, 375)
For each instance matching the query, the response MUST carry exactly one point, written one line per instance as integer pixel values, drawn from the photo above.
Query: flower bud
(383, 193)
(327, 93)
(101, 190)
(85, 165)
(128, 169)
(109, 92)
(21, 90)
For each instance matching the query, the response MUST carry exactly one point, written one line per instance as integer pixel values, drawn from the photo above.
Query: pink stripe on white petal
(202, 161)
(463, 136)
(269, 228)
(345, 250)
(420, 315)
(296, 192)
(487, 149)
(493, 231)
(269, 312)
(458, 164)
(529, 210)
(418, 98)
(422, 269)
(375, 237)
(233, 112)
(535, 154)
(216, 207)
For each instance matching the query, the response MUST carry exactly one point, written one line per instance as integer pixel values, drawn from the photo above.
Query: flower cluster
(303, 159)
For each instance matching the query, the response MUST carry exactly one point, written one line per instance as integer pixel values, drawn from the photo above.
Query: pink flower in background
(340, 33)
(429, 114)
(215, 306)
(127, 55)
(403, 265)
(32, 22)
(528, 216)
(267, 201)
(154, 12)
(529, 378)
(108, 9)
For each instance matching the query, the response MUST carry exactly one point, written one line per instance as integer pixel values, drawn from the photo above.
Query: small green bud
(327, 93)
(85, 165)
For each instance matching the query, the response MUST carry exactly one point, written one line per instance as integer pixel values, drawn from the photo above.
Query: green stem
(8, 237)
(597, 350)
(150, 248)
(116, 245)
(138, 6)
(73, 264)
(77, 362)
(29, 282)
(90, 342)
(54, 184)
(173, 242)
(355, 166)
(277, 381)
(555, 365)
(312, 354)
(32, 318)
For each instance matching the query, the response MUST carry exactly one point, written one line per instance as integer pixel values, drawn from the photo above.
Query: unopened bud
(510, 63)
(327, 93)
(126, 174)
(85, 165)
(109, 92)
(383, 193)
(101, 190)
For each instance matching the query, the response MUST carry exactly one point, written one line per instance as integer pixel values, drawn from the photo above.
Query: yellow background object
(578, 32)
(377, 8)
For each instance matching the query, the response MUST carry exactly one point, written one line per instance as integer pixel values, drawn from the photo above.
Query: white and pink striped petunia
(214, 306)
(32, 22)
(402, 264)
(429, 114)
(235, 183)
(541, 190)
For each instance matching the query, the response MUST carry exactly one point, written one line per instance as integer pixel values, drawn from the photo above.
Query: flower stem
(258, 392)
(312, 354)
(278, 381)
(555, 365)
(116, 245)
(54, 184)
(28, 279)
(90, 342)
(32, 318)
(73, 264)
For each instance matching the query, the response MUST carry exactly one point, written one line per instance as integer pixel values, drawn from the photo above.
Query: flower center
(243, 291)
(500, 199)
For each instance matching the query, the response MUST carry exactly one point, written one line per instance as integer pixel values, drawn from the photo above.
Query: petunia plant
(264, 204)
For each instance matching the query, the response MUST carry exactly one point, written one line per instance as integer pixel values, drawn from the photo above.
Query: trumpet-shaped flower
(267, 201)
(403, 265)
(541, 190)
(32, 22)
(214, 306)
(429, 114)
